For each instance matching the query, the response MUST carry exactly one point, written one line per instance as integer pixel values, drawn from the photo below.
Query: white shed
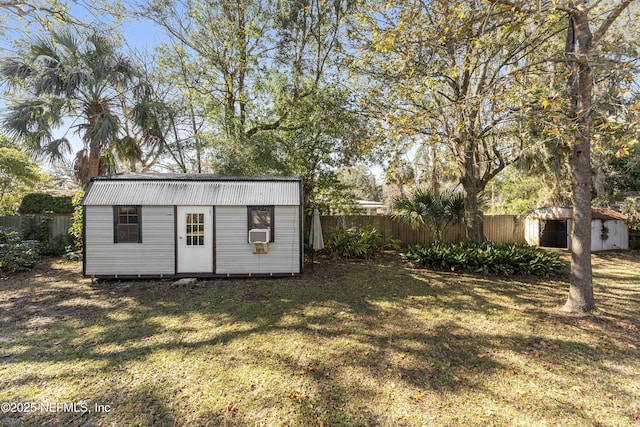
(551, 227)
(195, 225)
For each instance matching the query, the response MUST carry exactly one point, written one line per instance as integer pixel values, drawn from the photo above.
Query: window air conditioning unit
(259, 235)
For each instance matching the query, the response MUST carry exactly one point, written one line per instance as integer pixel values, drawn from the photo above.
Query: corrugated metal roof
(185, 190)
(552, 213)
(606, 214)
(151, 176)
(567, 213)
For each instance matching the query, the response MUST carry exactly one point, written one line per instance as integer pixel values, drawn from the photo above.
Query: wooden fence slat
(497, 228)
(13, 222)
(58, 226)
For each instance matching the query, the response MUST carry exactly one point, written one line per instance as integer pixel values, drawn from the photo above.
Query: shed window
(127, 224)
(261, 217)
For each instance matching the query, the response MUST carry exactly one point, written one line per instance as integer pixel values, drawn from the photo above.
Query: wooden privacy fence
(58, 224)
(497, 228)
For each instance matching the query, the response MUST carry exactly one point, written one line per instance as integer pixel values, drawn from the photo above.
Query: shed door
(553, 234)
(195, 239)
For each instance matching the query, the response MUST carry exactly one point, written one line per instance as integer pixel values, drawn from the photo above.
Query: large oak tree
(453, 73)
(587, 23)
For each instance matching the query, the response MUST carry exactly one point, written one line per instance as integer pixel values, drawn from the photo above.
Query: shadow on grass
(388, 324)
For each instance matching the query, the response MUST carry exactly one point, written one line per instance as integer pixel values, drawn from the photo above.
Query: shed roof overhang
(559, 213)
(192, 190)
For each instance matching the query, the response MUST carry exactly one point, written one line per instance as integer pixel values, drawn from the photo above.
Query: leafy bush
(17, 254)
(76, 226)
(45, 203)
(631, 208)
(501, 259)
(59, 245)
(358, 242)
(39, 228)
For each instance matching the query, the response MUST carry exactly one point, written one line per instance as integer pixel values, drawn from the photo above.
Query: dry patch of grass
(349, 343)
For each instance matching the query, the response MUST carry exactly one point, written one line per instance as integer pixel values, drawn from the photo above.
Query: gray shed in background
(551, 227)
(172, 225)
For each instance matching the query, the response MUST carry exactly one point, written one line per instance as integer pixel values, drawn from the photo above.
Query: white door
(195, 239)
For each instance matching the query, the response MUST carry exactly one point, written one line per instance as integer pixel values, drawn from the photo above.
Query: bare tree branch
(610, 19)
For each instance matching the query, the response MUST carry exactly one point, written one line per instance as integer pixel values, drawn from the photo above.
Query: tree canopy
(19, 175)
(452, 73)
(82, 77)
(265, 81)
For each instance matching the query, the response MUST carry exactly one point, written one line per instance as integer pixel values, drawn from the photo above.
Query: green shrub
(59, 245)
(35, 203)
(76, 226)
(500, 259)
(39, 228)
(17, 254)
(358, 242)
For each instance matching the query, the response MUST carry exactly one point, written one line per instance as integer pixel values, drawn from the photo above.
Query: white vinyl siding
(234, 254)
(154, 256)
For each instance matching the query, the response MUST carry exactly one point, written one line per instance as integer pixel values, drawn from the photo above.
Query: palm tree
(64, 77)
(437, 210)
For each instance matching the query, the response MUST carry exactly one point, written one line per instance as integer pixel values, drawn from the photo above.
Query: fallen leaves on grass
(417, 397)
(295, 396)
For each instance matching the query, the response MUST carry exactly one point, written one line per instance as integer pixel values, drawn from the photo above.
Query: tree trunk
(93, 161)
(581, 285)
(242, 46)
(472, 213)
(580, 85)
(435, 170)
(196, 137)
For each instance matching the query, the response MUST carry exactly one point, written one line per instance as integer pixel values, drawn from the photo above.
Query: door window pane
(195, 229)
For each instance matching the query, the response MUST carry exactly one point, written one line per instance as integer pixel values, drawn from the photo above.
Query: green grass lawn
(349, 343)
